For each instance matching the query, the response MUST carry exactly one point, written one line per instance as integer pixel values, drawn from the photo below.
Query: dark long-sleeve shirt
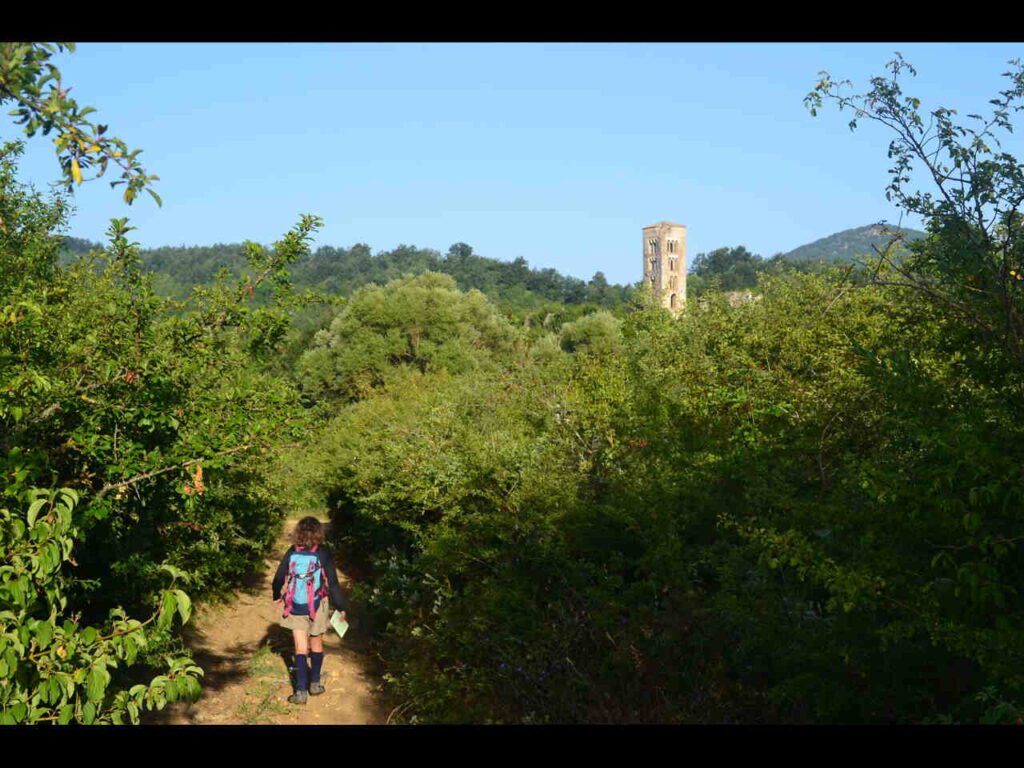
(327, 562)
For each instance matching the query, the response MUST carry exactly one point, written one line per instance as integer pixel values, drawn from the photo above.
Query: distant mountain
(850, 244)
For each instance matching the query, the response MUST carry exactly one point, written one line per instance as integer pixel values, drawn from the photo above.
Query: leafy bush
(747, 513)
(62, 670)
(422, 322)
(153, 419)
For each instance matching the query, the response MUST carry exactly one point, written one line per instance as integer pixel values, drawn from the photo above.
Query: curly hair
(308, 533)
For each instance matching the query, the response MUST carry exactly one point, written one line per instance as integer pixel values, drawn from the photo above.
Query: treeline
(340, 271)
(737, 269)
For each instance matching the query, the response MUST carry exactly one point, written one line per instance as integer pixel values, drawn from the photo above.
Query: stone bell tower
(665, 263)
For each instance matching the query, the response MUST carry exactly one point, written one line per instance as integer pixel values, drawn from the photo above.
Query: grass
(263, 693)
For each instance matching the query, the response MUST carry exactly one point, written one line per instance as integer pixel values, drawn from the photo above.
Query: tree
(460, 252)
(53, 665)
(597, 334)
(729, 268)
(597, 288)
(422, 323)
(113, 401)
(972, 264)
(41, 103)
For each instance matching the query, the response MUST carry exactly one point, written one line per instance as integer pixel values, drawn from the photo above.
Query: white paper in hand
(339, 624)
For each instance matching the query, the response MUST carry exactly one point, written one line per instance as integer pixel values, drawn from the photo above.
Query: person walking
(306, 586)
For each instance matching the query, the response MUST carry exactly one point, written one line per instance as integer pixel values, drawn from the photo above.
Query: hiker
(308, 578)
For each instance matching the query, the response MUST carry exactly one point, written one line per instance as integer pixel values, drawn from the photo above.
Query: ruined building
(665, 263)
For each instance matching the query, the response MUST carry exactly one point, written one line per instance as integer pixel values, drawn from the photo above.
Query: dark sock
(301, 672)
(318, 660)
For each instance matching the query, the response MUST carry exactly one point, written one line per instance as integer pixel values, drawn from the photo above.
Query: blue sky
(559, 153)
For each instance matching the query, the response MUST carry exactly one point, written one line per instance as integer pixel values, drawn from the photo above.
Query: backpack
(305, 582)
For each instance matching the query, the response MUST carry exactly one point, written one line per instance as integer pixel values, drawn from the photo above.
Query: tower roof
(665, 224)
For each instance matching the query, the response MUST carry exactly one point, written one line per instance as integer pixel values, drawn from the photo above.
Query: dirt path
(246, 656)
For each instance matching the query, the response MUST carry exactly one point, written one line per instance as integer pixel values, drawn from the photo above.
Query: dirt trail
(245, 656)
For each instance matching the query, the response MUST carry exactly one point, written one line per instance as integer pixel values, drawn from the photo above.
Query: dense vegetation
(517, 289)
(514, 286)
(805, 508)
(738, 270)
(762, 513)
(131, 439)
(113, 408)
(800, 509)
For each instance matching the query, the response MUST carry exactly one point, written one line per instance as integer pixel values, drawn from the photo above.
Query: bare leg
(316, 644)
(302, 641)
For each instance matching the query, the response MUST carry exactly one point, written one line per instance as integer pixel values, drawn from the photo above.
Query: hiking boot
(299, 697)
(315, 689)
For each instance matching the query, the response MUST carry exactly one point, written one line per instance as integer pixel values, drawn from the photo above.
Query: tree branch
(147, 475)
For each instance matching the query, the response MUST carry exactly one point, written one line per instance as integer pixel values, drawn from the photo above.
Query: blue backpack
(305, 581)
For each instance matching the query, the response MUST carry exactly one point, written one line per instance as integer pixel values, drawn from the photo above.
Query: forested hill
(513, 284)
(849, 244)
(343, 270)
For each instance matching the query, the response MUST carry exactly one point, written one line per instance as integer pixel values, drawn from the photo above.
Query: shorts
(312, 628)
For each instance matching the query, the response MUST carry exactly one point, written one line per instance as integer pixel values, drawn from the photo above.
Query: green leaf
(175, 573)
(130, 649)
(33, 511)
(184, 605)
(167, 608)
(56, 690)
(97, 682)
